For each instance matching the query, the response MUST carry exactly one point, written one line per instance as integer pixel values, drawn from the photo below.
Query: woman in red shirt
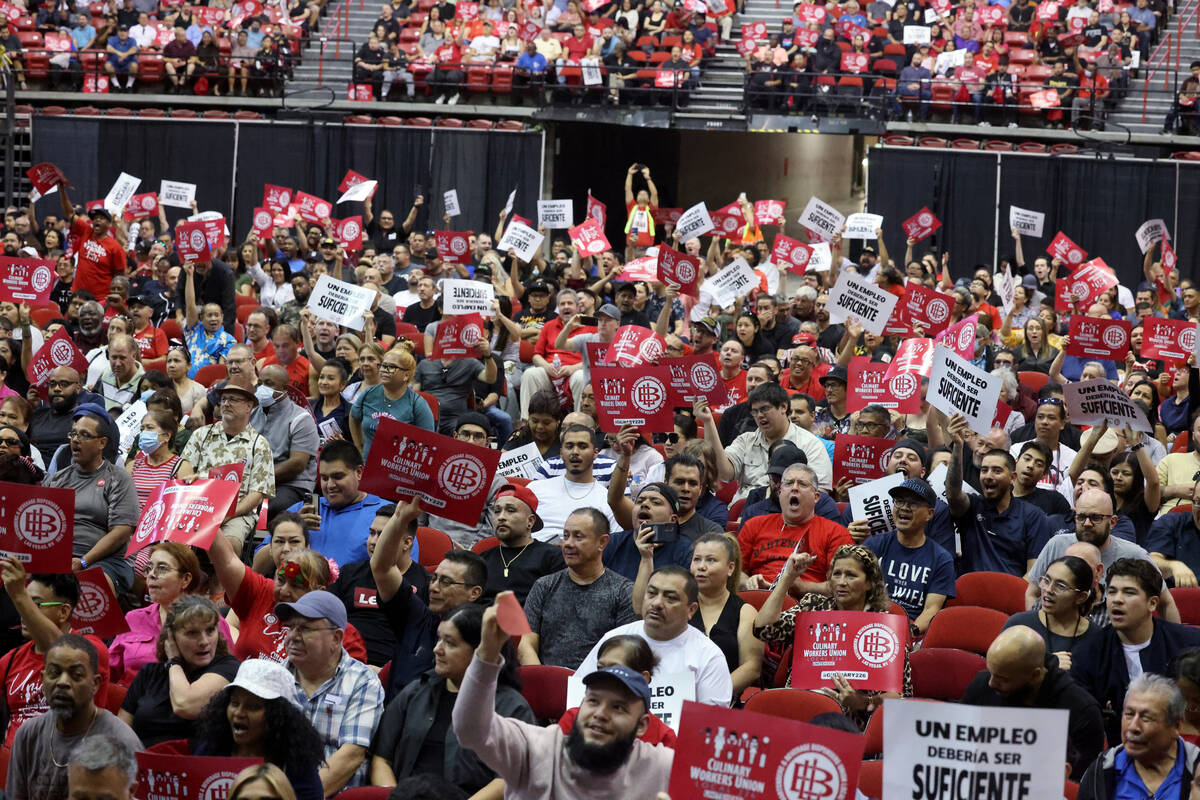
(632, 652)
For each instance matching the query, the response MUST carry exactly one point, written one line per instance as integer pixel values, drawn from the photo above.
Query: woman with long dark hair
(1067, 595)
(1136, 488)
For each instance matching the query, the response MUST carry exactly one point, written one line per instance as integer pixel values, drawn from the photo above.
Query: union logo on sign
(93, 602)
(470, 335)
(685, 271)
(966, 337)
(148, 202)
(704, 377)
(1079, 289)
(149, 521)
(40, 279)
(811, 772)
(904, 386)
(938, 311)
(1074, 255)
(1114, 337)
(648, 394)
(62, 353)
(350, 231)
(1187, 339)
(458, 245)
(462, 475)
(650, 349)
(216, 786)
(925, 220)
(322, 210)
(262, 220)
(39, 523)
(876, 645)
(800, 256)
(197, 240)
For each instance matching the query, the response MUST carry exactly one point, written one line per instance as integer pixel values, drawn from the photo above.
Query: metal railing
(1160, 57)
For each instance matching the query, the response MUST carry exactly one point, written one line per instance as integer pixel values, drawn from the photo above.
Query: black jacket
(1084, 728)
(1100, 780)
(217, 287)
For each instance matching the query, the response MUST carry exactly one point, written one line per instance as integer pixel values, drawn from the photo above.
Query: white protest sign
(937, 481)
(871, 501)
(734, 281)
(931, 16)
(1026, 222)
(358, 192)
(341, 302)
(948, 60)
(176, 194)
(1135, 59)
(467, 297)
(917, 34)
(668, 690)
(129, 425)
(508, 204)
(822, 218)
(821, 257)
(694, 222)
(554, 213)
(1006, 287)
(980, 751)
(956, 386)
(1150, 231)
(592, 76)
(1097, 401)
(123, 189)
(858, 299)
(522, 239)
(522, 462)
(450, 201)
(862, 226)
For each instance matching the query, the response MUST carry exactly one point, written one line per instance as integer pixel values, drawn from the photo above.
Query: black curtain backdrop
(1098, 204)
(483, 166)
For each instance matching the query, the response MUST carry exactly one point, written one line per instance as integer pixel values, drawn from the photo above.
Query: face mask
(265, 395)
(146, 395)
(148, 441)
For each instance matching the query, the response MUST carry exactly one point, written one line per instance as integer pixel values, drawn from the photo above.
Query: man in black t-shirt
(518, 560)
(536, 310)
(356, 588)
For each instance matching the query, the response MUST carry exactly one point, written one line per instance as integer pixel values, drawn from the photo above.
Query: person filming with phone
(655, 519)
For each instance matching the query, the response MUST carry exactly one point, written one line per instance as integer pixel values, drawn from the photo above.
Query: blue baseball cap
(632, 680)
(918, 487)
(318, 604)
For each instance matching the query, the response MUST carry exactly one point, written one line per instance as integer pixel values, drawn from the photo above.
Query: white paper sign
(522, 239)
(1006, 287)
(1135, 59)
(917, 34)
(341, 302)
(948, 60)
(123, 189)
(855, 298)
(129, 425)
(1018, 752)
(931, 16)
(358, 192)
(956, 386)
(467, 297)
(554, 213)
(668, 690)
(1151, 231)
(508, 204)
(176, 194)
(450, 201)
(862, 226)
(821, 258)
(694, 222)
(520, 463)
(591, 71)
(1027, 223)
(822, 218)
(734, 281)
(871, 501)
(1097, 401)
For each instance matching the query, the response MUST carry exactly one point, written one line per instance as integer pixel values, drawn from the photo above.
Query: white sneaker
(440, 99)
(985, 124)
(454, 100)
(1012, 124)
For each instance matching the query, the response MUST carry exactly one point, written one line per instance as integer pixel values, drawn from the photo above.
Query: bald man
(1021, 674)
(292, 433)
(1091, 554)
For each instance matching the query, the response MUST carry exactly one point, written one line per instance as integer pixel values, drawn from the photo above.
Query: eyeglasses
(82, 436)
(761, 411)
(300, 634)
(232, 398)
(62, 384)
(10, 442)
(673, 437)
(908, 502)
(1056, 587)
(49, 603)
(160, 570)
(445, 583)
(1095, 519)
(387, 366)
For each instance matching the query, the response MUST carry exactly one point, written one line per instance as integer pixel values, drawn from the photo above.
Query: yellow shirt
(1177, 468)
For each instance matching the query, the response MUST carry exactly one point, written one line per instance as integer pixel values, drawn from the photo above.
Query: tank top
(724, 632)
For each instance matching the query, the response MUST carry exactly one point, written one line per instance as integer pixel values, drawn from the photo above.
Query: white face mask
(265, 395)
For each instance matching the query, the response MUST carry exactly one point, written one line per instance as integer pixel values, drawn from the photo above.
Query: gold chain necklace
(95, 714)
(507, 564)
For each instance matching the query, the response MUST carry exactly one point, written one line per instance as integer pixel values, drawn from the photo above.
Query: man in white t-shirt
(577, 488)
(484, 46)
(670, 601)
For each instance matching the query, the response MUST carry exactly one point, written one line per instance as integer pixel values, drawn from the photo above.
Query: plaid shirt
(345, 710)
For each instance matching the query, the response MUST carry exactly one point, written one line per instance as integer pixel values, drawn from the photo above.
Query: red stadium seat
(998, 146)
(797, 704)
(433, 404)
(965, 144)
(433, 545)
(932, 141)
(995, 590)
(170, 329)
(1063, 149)
(1187, 600)
(487, 543)
(1181, 441)
(545, 689)
(360, 119)
(480, 124)
(965, 627)
(870, 775)
(1031, 147)
(418, 122)
(210, 374)
(1034, 380)
(449, 122)
(896, 140)
(116, 696)
(943, 673)
(756, 598)
(42, 316)
(873, 736)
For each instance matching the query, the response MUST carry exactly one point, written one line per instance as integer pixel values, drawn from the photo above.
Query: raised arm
(622, 506)
(955, 497)
(664, 316)
(1016, 234)
(388, 577)
(704, 414)
(192, 315)
(1085, 450)
(772, 607)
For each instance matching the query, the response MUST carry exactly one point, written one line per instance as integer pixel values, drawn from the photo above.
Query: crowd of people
(325, 647)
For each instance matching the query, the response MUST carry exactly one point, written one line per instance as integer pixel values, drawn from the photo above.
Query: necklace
(567, 483)
(95, 713)
(509, 563)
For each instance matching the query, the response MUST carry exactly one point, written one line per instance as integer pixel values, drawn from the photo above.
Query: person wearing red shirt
(769, 539)
(287, 354)
(151, 341)
(805, 373)
(639, 209)
(543, 372)
(733, 353)
(1090, 82)
(578, 44)
(101, 254)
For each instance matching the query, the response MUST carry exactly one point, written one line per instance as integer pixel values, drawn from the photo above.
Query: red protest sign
(849, 30)
(57, 351)
(45, 176)
(960, 337)
(276, 198)
(790, 253)
(312, 208)
(596, 210)
(899, 323)
(1093, 337)
(596, 351)
(640, 397)
(869, 384)
(665, 216)
(640, 269)
(188, 513)
(1003, 412)
(724, 752)
(26, 280)
(913, 356)
(807, 37)
(228, 472)
(989, 15)
(453, 246)
(466, 11)
(1045, 98)
(191, 242)
(855, 62)
(36, 526)
(163, 776)
(696, 376)
(1090, 281)
(1171, 340)
(1063, 248)
(679, 269)
(811, 13)
(97, 611)
(1168, 257)
(348, 233)
(865, 647)
(456, 337)
(633, 345)
(754, 31)
(1047, 11)
(511, 616)
(921, 224)
(928, 307)
(452, 478)
(352, 179)
(142, 206)
(589, 238)
(727, 224)
(859, 458)
(214, 231)
(263, 222)
(769, 212)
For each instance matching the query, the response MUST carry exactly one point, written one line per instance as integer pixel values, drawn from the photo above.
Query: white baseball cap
(265, 679)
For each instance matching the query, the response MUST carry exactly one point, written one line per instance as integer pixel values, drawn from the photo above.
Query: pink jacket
(132, 650)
